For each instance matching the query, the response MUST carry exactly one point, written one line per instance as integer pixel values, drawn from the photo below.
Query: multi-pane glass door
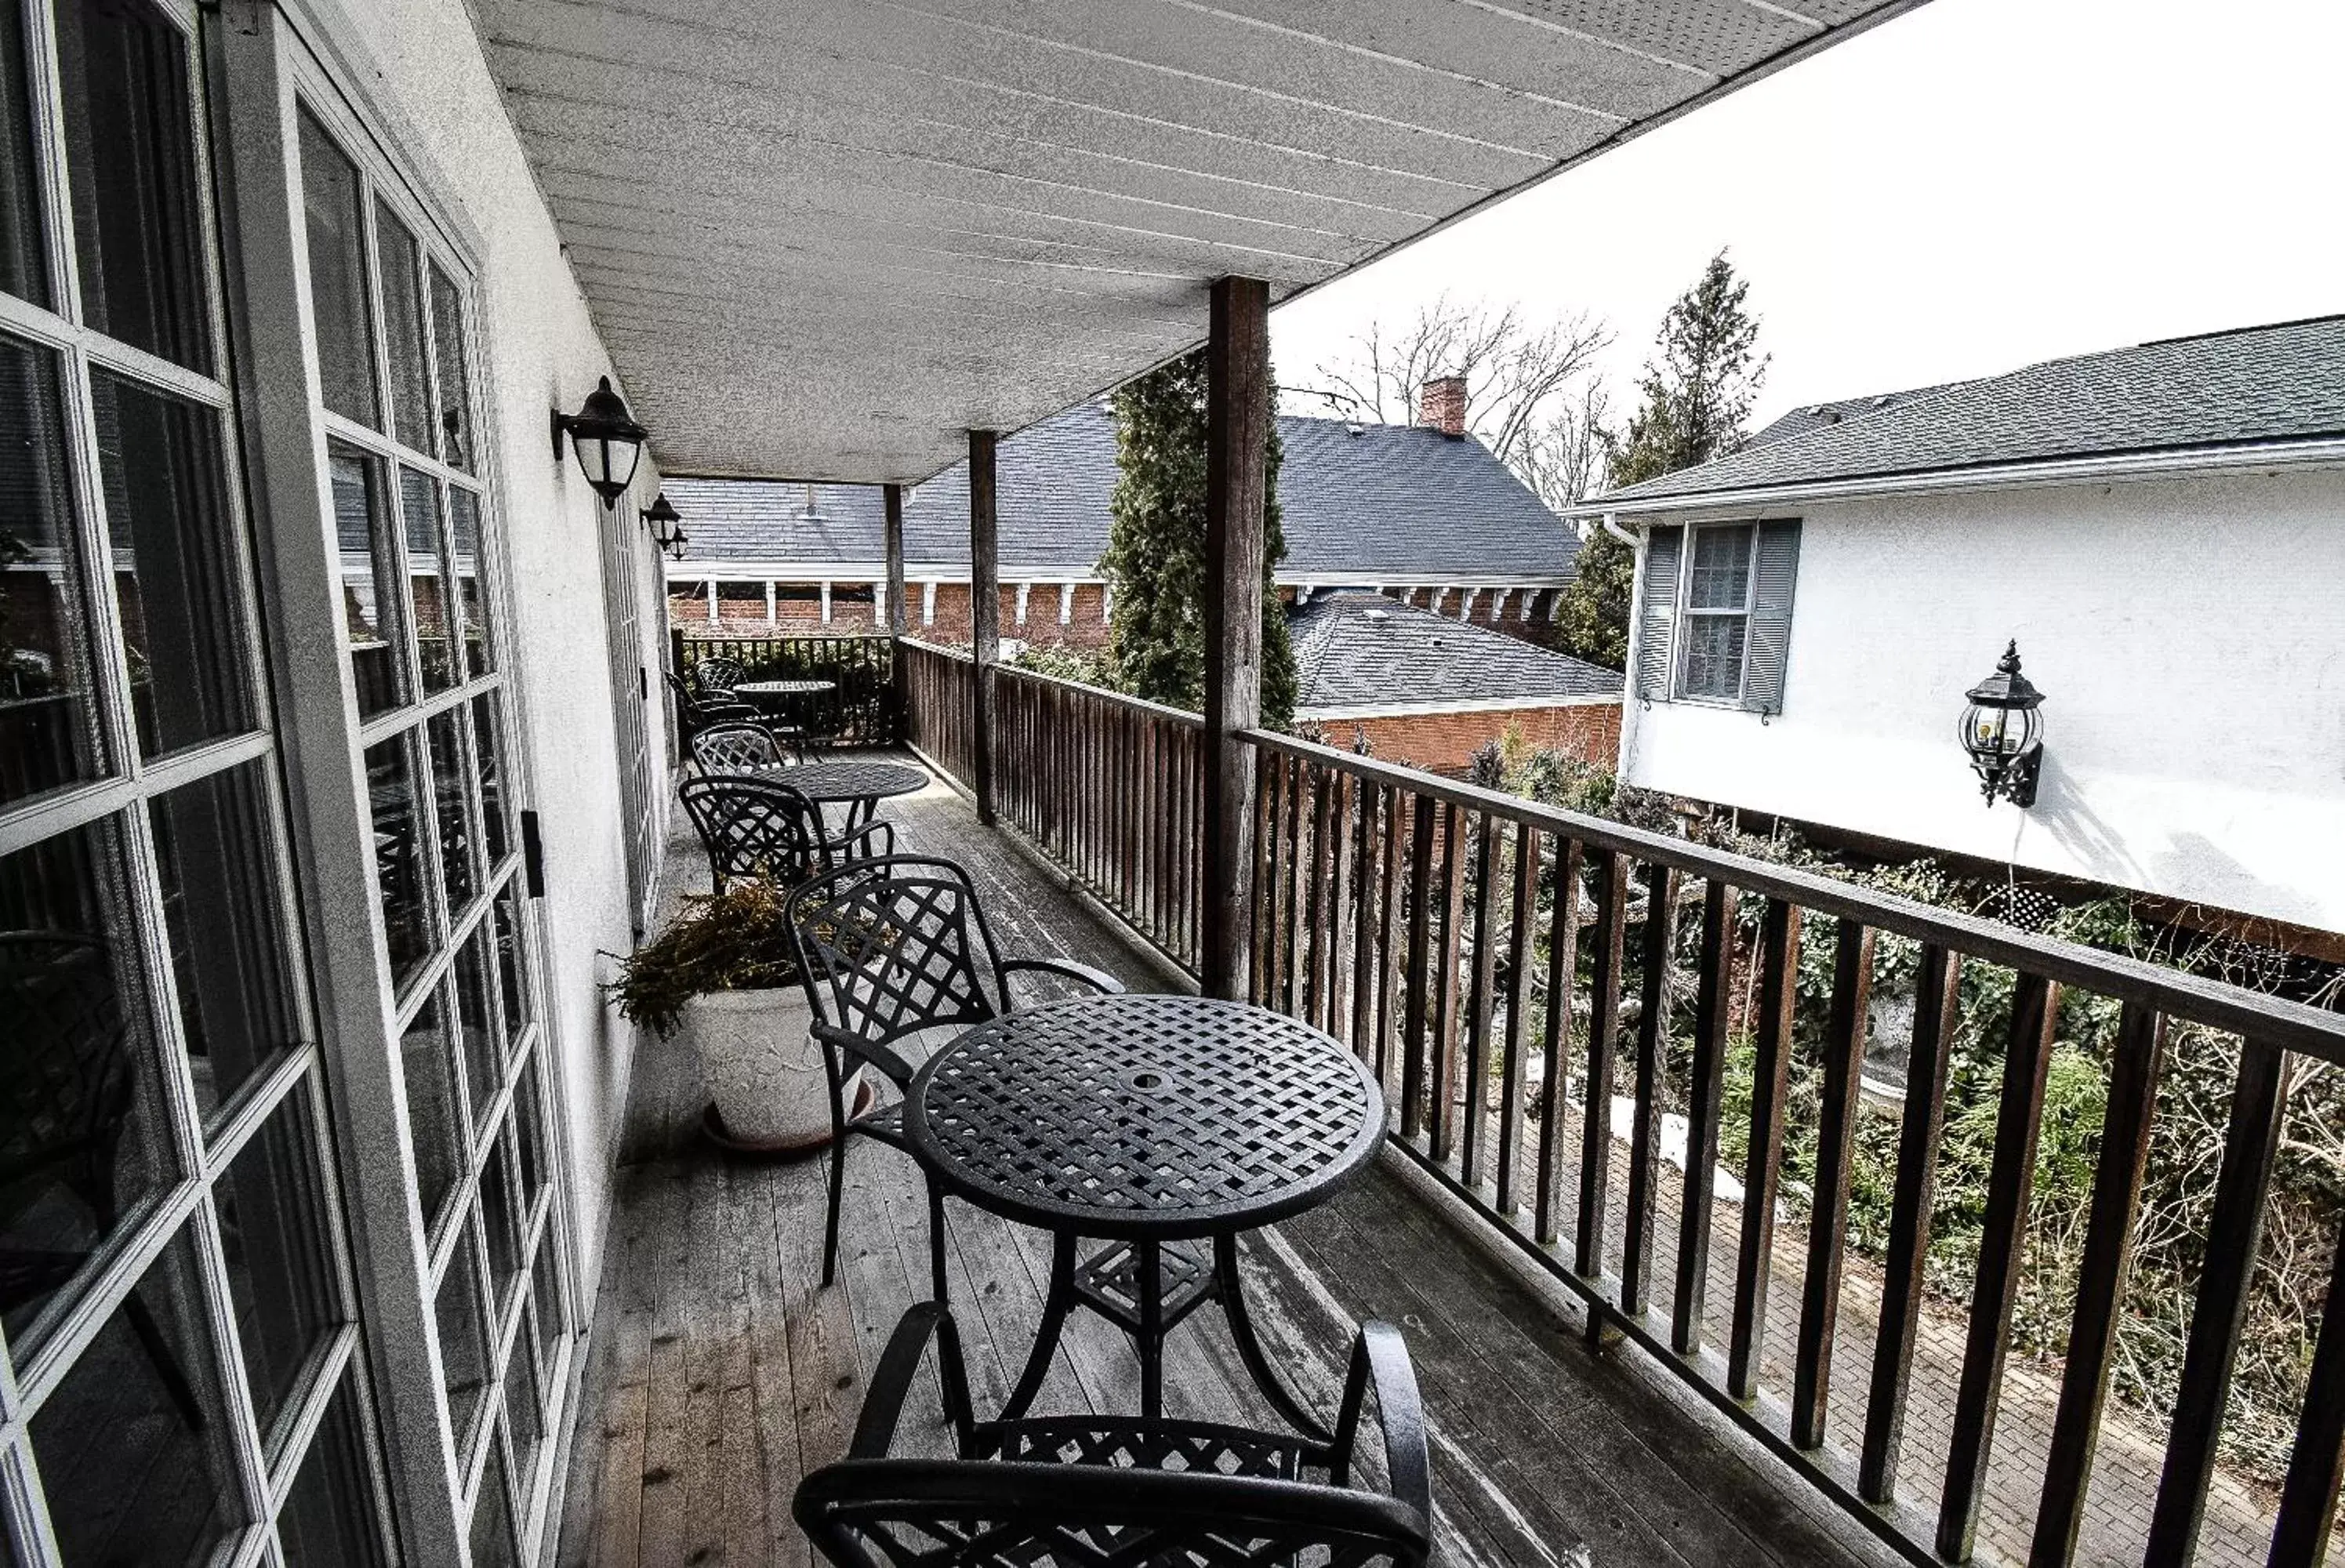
(179, 1366)
(394, 352)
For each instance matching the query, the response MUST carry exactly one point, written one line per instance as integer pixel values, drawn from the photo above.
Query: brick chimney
(1441, 406)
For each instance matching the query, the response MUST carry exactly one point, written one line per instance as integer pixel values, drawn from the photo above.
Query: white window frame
(203, 1151)
(1681, 628)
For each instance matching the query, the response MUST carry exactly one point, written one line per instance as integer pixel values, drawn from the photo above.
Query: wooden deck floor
(721, 1372)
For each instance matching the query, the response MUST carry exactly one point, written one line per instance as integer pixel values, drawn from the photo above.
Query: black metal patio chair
(888, 947)
(740, 746)
(759, 827)
(698, 712)
(1092, 1491)
(719, 673)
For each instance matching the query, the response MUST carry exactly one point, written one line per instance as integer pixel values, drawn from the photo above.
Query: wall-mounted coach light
(2003, 732)
(608, 441)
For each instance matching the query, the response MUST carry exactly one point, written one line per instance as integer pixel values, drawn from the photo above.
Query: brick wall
(1445, 742)
(1537, 629)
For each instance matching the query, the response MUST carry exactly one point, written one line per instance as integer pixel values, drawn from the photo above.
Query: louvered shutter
(1775, 572)
(1657, 605)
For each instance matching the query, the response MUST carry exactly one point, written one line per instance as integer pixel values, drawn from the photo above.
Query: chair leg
(830, 1230)
(936, 1243)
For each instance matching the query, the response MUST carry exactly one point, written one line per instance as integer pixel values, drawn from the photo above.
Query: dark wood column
(893, 497)
(984, 614)
(1237, 413)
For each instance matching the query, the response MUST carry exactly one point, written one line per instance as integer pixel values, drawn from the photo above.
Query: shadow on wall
(2195, 858)
(2061, 813)
(2189, 867)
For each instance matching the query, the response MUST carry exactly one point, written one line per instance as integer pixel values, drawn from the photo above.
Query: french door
(181, 1372)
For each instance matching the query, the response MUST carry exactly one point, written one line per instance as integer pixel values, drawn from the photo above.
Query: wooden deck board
(721, 1371)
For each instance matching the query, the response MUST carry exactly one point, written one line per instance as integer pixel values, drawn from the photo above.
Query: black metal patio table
(859, 785)
(795, 701)
(1148, 1121)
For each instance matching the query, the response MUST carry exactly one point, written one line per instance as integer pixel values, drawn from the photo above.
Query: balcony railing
(861, 706)
(1525, 980)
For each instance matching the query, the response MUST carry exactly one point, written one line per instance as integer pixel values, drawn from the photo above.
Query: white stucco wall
(423, 59)
(2189, 637)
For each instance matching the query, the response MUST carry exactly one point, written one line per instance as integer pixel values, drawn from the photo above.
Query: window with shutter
(1775, 573)
(1657, 599)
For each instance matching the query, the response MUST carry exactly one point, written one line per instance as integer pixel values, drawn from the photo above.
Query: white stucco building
(2162, 530)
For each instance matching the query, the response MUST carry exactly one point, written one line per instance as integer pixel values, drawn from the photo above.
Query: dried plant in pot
(723, 974)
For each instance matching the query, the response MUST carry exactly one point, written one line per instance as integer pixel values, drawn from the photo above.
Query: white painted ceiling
(823, 238)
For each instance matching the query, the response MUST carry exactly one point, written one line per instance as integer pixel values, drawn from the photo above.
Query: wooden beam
(892, 496)
(1237, 416)
(984, 616)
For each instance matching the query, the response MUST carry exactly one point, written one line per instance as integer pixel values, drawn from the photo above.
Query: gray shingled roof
(1816, 416)
(2251, 386)
(1356, 650)
(1373, 499)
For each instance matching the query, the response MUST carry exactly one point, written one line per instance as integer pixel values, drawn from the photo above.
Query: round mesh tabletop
(784, 688)
(1133, 1118)
(830, 782)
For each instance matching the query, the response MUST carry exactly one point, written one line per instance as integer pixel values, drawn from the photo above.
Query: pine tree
(1695, 395)
(1155, 558)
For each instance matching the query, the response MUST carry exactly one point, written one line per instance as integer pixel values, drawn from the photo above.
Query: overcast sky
(1971, 187)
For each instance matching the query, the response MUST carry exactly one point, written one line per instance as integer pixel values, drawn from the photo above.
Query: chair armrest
(1098, 980)
(863, 1050)
(1381, 1356)
(850, 837)
(883, 1403)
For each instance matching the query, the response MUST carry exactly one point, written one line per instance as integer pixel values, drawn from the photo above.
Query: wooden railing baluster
(1645, 1130)
(2019, 1117)
(1562, 970)
(1480, 1003)
(2235, 1229)
(1937, 1013)
(1417, 982)
(1603, 1023)
(2126, 1126)
(1518, 998)
(1336, 1009)
(2308, 1502)
(1852, 1000)
(1779, 994)
(1705, 1087)
(1445, 995)
(1390, 949)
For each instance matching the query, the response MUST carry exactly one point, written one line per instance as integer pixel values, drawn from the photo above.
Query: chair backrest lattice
(961, 1514)
(735, 747)
(895, 944)
(756, 828)
(718, 673)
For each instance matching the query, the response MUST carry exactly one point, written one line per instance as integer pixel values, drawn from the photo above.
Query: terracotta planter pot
(762, 1069)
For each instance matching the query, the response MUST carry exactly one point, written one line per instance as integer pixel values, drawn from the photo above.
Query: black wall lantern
(667, 523)
(2003, 732)
(607, 440)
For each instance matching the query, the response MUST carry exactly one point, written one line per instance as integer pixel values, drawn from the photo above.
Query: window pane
(225, 920)
(545, 1291)
(477, 1022)
(488, 749)
(499, 1229)
(82, 1134)
(403, 319)
(513, 974)
(272, 1221)
(338, 287)
(453, 370)
(419, 506)
(131, 163)
(328, 1520)
(21, 270)
(398, 857)
(431, 1107)
(524, 1407)
(1722, 569)
(175, 566)
(130, 1443)
(49, 727)
(492, 1544)
(463, 1340)
(370, 582)
(465, 525)
(443, 737)
(530, 1132)
(1714, 656)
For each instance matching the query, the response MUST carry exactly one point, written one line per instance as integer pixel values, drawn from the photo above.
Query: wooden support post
(1237, 413)
(893, 497)
(984, 616)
